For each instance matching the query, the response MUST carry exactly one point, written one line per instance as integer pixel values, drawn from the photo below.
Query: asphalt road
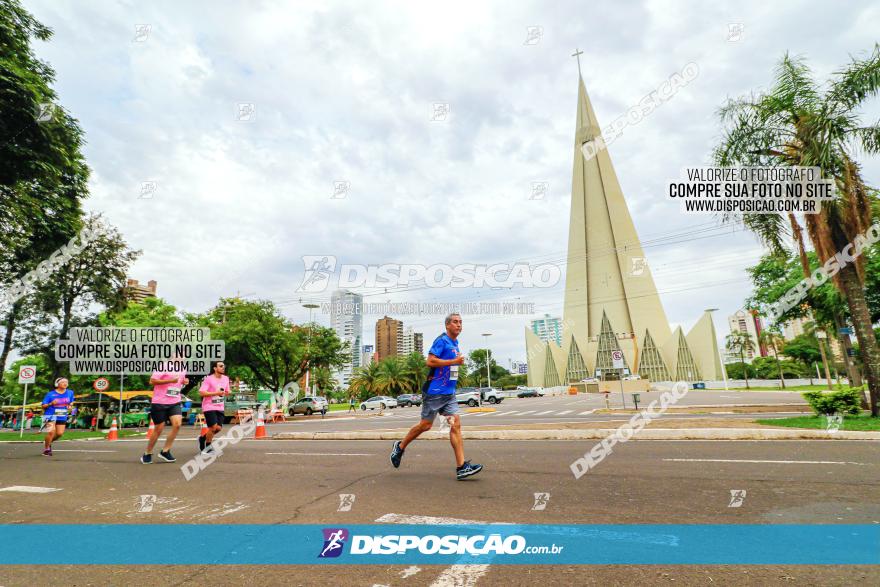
(299, 482)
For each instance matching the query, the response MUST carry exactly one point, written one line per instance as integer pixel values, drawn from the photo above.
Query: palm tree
(741, 343)
(392, 377)
(813, 329)
(773, 340)
(416, 370)
(365, 380)
(797, 124)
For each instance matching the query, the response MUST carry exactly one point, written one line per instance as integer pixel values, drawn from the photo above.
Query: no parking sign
(617, 359)
(27, 374)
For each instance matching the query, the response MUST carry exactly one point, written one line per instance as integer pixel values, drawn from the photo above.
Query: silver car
(379, 401)
(308, 406)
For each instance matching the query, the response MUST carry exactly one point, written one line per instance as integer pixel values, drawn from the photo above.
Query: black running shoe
(396, 454)
(166, 456)
(209, 448)
(467, 469)
(147, 459)
(201, 443)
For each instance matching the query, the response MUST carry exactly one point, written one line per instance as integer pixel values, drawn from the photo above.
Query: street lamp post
(311, 307)
(720, 359)
(486, 335)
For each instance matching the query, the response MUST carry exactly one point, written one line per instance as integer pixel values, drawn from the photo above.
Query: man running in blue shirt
(439, 397)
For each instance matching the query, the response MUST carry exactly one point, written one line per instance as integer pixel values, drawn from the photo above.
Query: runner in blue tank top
(56, 409)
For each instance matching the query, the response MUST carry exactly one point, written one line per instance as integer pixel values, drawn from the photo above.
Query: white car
(379, 401)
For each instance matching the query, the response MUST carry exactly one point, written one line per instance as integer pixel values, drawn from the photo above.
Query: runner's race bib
(453, 373)
(217, 399)
(173, 391)
(60, 411)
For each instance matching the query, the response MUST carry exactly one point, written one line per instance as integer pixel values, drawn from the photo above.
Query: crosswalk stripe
(524, 413)
(507, 413)
(565, 412)
(587, 413)
(543, 413)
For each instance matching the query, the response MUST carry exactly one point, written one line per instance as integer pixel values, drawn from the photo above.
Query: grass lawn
(863, 421)
(9, 435)
(822, 387)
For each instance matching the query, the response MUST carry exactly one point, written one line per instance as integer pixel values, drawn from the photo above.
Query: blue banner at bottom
(497, 544)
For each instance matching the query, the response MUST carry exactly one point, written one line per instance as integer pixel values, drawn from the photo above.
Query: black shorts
(213, 418)
(161, 413)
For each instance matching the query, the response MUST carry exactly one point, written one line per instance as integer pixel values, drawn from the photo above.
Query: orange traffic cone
(261, 426)
(113, 434)
(204, 428)
(152, 427)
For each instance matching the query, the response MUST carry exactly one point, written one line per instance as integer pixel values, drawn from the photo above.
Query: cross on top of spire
(577, 55)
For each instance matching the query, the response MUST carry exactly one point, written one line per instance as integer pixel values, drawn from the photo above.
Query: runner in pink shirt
(165, 407)
(214, 389)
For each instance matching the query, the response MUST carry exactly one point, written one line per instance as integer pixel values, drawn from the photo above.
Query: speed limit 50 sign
(101, 384)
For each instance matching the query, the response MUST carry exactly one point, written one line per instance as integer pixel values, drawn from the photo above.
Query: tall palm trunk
(861, 317)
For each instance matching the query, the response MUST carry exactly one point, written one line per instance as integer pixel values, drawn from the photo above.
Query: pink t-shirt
(167, 393)
(214, 384)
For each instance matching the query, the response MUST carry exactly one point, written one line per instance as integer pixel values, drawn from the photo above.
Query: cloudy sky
(345, 92)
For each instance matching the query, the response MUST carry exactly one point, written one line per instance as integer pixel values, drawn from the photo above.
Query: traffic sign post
(617, 363)
(27, 374)
(100, 384)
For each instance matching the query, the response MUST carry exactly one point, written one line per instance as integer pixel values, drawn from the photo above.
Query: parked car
(409, 399)
(308, 406)
(491, 395)
(240, 401)
(527, 392)
(379, 401)
(468, 395)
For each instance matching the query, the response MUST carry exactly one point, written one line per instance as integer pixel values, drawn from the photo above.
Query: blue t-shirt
(445, 378)
(61, 409)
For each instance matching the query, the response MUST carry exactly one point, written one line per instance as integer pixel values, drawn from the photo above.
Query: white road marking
(324, 454)
(526, 412)
(587, 413)
(30, 489)
(772, 462)
(460, 576)
(456, 575)
(543, 413)
(565, 412)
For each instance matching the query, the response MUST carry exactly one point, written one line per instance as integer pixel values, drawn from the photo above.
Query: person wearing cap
(56, 408)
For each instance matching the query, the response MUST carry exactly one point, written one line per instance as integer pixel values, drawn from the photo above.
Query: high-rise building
(793, 328)
(347, 321)
(388, 334)
(611, 303)
(137, 292)
(410, 342)
(548, 328)
(748, 323)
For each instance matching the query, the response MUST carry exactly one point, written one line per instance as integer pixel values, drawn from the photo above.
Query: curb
(598, 434)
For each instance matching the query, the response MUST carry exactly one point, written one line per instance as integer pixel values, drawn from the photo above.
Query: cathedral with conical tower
(611, 302)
